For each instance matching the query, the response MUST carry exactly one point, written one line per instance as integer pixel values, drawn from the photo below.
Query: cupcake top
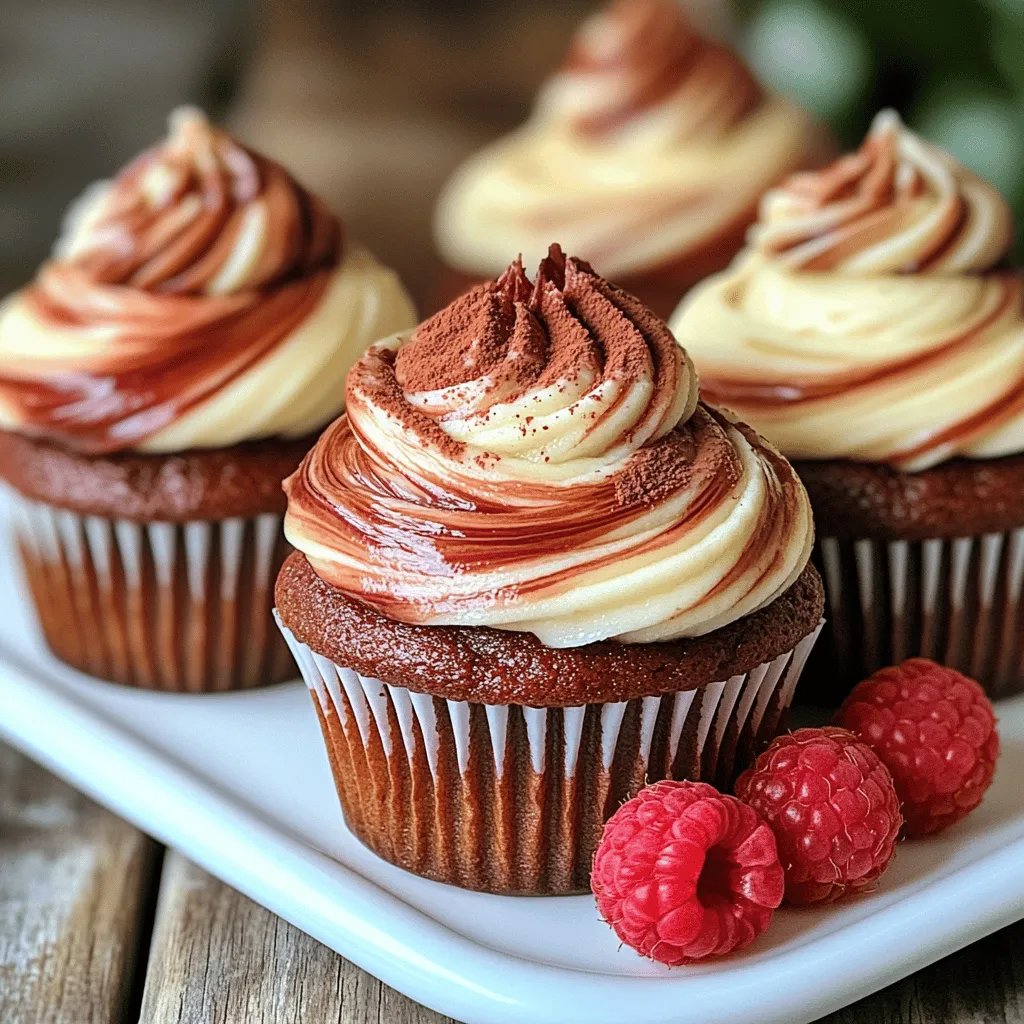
(649, 143)
(200, 299)
(535, 457)
(871, 316)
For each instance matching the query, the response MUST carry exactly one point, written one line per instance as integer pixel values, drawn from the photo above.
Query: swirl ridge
(871, 317)
(642, 58)
(535, 457)
(178, 291)
(202, 215)
(897, 205)
(650, 144)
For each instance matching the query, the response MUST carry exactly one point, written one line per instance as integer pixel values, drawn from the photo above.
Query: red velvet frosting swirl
(636, 56)
(535, 457)
(647, 151)
(898, 205)
(871, 318)
(176, 281)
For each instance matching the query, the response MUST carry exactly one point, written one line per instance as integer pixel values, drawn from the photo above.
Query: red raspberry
(683, 872)
(833, 808)
(936, 732)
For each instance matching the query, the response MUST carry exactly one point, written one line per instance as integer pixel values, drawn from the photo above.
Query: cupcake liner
(164, 606)
(512, 799)
(955, 600)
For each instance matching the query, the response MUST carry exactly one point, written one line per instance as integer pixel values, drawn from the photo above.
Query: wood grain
(74, 893)
(73, 901)
(219, 958)
(982, 984)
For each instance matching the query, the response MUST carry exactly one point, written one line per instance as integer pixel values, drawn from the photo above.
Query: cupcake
(533, 571)
(163, 372)
(873, 331)
(646, 153)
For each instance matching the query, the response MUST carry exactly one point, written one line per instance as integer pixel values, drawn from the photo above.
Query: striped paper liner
(163, 606)
(512, 799)
(955, 600)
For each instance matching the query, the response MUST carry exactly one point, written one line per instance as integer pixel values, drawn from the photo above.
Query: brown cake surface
(493, 666)
(959, 498)
(241, 481)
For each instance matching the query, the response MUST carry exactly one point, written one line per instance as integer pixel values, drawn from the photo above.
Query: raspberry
(683, 873)
(936, 732)
(833, 808)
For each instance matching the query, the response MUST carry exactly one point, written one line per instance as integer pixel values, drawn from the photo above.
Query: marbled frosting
(201, 299)
(650, 145)
(871, 317)
(535, 457)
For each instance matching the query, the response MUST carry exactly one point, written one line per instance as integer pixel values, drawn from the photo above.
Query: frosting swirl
(896, 206)
(869, 318)
(200, 299)
(648, 144)
(626, 64)
(535, 458)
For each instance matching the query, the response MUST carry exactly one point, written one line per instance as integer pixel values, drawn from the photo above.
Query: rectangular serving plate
(240, 784)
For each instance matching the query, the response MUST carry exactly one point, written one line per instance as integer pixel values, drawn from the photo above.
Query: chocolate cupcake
(873, 332)
(646, 153)
(533, 571)
(160, 376)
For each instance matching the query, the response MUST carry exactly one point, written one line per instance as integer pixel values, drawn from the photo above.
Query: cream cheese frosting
(650, 143)
(201, 299)
(870, 317)
(535, 457)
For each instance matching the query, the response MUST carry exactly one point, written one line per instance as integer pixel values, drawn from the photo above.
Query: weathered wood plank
(982, 984)
(219, 958)
(74, 884)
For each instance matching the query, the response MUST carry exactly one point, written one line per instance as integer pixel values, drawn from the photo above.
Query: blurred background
(373, 102)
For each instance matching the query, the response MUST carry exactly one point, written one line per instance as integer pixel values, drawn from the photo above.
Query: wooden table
(100, 925)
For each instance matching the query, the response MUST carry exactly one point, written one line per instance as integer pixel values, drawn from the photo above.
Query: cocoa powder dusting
(370, 378)
(568, 325)
(655, 472)
(625, 348)
(694, 453)
(466, 339)
(570, 350)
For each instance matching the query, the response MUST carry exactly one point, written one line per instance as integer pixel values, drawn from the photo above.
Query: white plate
(240, 784)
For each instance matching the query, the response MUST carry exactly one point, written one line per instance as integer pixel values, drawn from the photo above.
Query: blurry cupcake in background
(646, 153)
(534, 571)
(160, 376)
(875, 334)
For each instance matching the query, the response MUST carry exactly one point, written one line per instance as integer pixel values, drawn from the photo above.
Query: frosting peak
(870, 319)
(200, 299)
(897, 205)
(553, 373)
(646, 152)
(199, 214)
(637, 56)
(535, 457)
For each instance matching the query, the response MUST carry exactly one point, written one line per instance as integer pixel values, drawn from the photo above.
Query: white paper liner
(412, 769)
(157, 605)
(955, 600)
